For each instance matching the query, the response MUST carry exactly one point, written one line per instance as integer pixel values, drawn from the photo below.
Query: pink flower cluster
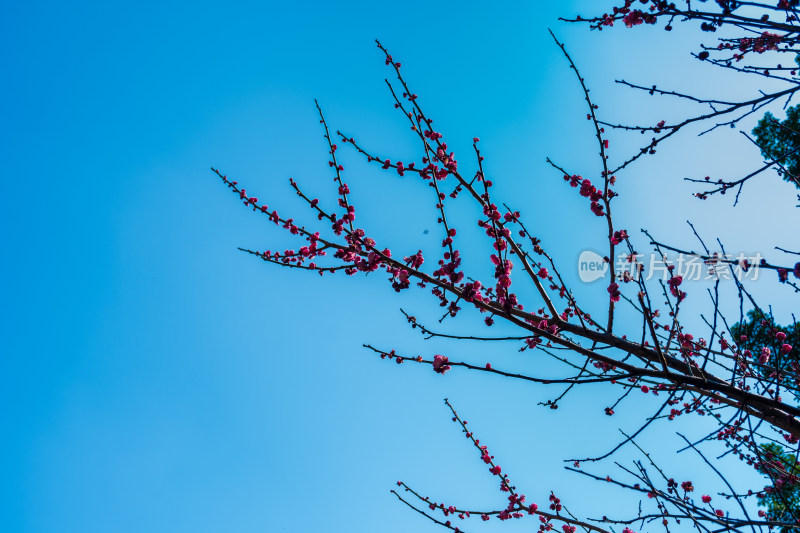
(589, 191)
(440, 364)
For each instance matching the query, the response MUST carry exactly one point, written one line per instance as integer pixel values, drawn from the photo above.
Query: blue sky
(156, 379)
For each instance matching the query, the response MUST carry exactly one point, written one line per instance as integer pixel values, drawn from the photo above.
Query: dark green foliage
(781, 141)
(761, 331)
(782, 496)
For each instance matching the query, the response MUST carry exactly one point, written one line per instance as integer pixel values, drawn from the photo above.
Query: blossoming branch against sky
(155, 378)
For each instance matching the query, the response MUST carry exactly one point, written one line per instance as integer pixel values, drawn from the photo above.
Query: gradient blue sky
(156, 379)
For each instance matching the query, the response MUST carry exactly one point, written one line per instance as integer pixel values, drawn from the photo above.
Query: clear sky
(153, 378)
